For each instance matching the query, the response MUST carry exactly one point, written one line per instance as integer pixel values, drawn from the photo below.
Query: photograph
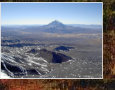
(52, 40)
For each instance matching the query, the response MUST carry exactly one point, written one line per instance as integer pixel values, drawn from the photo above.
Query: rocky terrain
(33, 62)
(49, 54)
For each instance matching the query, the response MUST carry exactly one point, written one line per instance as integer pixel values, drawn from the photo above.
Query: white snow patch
(4, 75)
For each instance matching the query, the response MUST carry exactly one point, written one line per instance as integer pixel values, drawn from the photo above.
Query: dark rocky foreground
(36, 62)
(19, 66)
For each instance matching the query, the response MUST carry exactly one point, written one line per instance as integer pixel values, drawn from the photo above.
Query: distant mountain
(56, 27)
(56, 24)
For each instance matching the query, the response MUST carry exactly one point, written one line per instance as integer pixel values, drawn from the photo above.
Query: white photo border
(51, 2)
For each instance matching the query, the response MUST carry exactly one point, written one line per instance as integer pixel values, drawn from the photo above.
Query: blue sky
(44, 13)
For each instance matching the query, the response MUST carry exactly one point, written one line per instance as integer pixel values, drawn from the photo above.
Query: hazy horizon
(48, 23)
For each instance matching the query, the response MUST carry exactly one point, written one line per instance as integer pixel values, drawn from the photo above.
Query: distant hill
(63, 48)
(51, 57)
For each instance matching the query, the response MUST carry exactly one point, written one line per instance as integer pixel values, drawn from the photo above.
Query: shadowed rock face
(59, 58)
(51, 57)
(17, 70)
(9, 68)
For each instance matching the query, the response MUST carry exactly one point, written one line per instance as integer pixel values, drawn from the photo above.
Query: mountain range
(55, 27)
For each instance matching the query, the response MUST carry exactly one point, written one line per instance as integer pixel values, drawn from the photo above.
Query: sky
(44, 13)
